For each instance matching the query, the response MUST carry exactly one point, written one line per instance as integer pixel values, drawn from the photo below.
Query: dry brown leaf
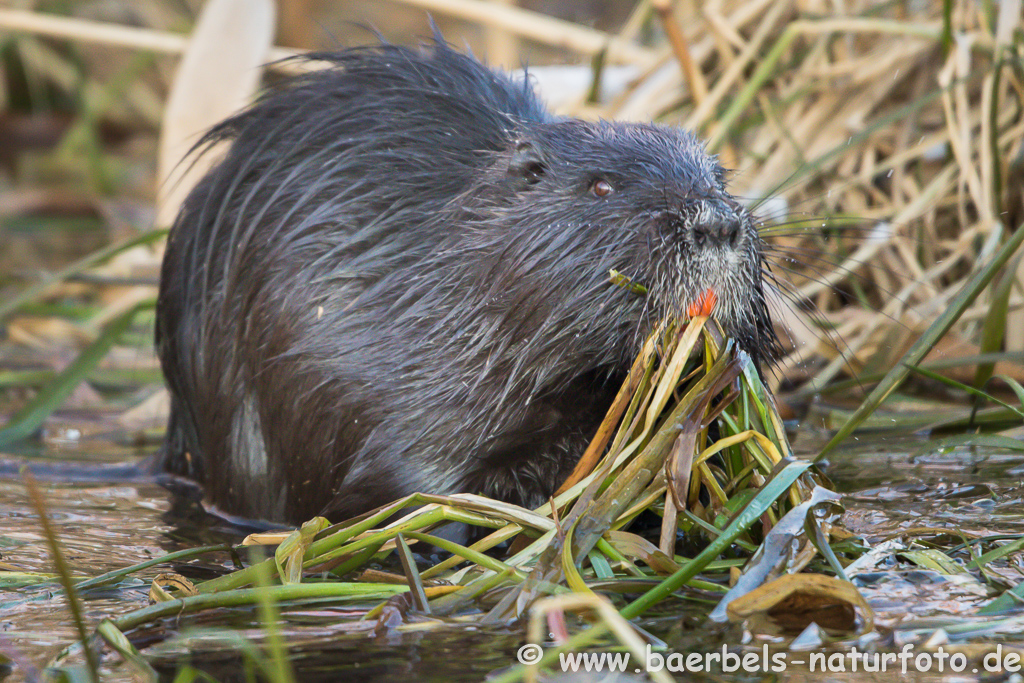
(634, 546)
(796, 600)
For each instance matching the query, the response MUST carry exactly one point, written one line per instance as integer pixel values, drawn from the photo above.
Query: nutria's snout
(714, 223)
(709, 244)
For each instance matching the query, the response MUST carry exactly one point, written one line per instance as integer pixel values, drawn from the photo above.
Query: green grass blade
(35, 412)
(1011, 598)
(931, 336)
(117, 640)
(277, 666)
(64, 572)
(1014, 385)
(93, 259)
(934, 559)
(118, 574)
(1000, 552)
(994, 327)
(772, 490)
(978, 394)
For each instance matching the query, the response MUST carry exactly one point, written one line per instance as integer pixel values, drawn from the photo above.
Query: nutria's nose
(717, 223)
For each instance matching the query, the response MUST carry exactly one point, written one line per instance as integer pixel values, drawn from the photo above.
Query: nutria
(397, 280)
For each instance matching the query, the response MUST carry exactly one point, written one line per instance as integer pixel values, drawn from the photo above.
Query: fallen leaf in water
(794, 601)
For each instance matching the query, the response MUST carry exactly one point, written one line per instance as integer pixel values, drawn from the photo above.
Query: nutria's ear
(527, 162)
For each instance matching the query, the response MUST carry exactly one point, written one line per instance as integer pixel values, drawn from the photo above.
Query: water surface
(894, 488)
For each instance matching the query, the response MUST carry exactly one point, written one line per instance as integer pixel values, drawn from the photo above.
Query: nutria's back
(397, 281)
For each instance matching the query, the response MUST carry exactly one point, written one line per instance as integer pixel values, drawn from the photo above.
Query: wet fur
(397, 281)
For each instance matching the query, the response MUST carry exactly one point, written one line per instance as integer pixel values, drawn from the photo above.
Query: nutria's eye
(601, 188)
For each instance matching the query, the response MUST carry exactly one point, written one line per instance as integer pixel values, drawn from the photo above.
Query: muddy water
(891, 486)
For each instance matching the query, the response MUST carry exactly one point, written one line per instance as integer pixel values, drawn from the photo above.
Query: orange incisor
(704, 305)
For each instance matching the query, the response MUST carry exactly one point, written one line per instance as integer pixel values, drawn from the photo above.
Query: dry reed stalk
(681, 48)
(502, 45)
(513, 20)
(726, 84)
(103, 33)
(218, 74)
(540, 27)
